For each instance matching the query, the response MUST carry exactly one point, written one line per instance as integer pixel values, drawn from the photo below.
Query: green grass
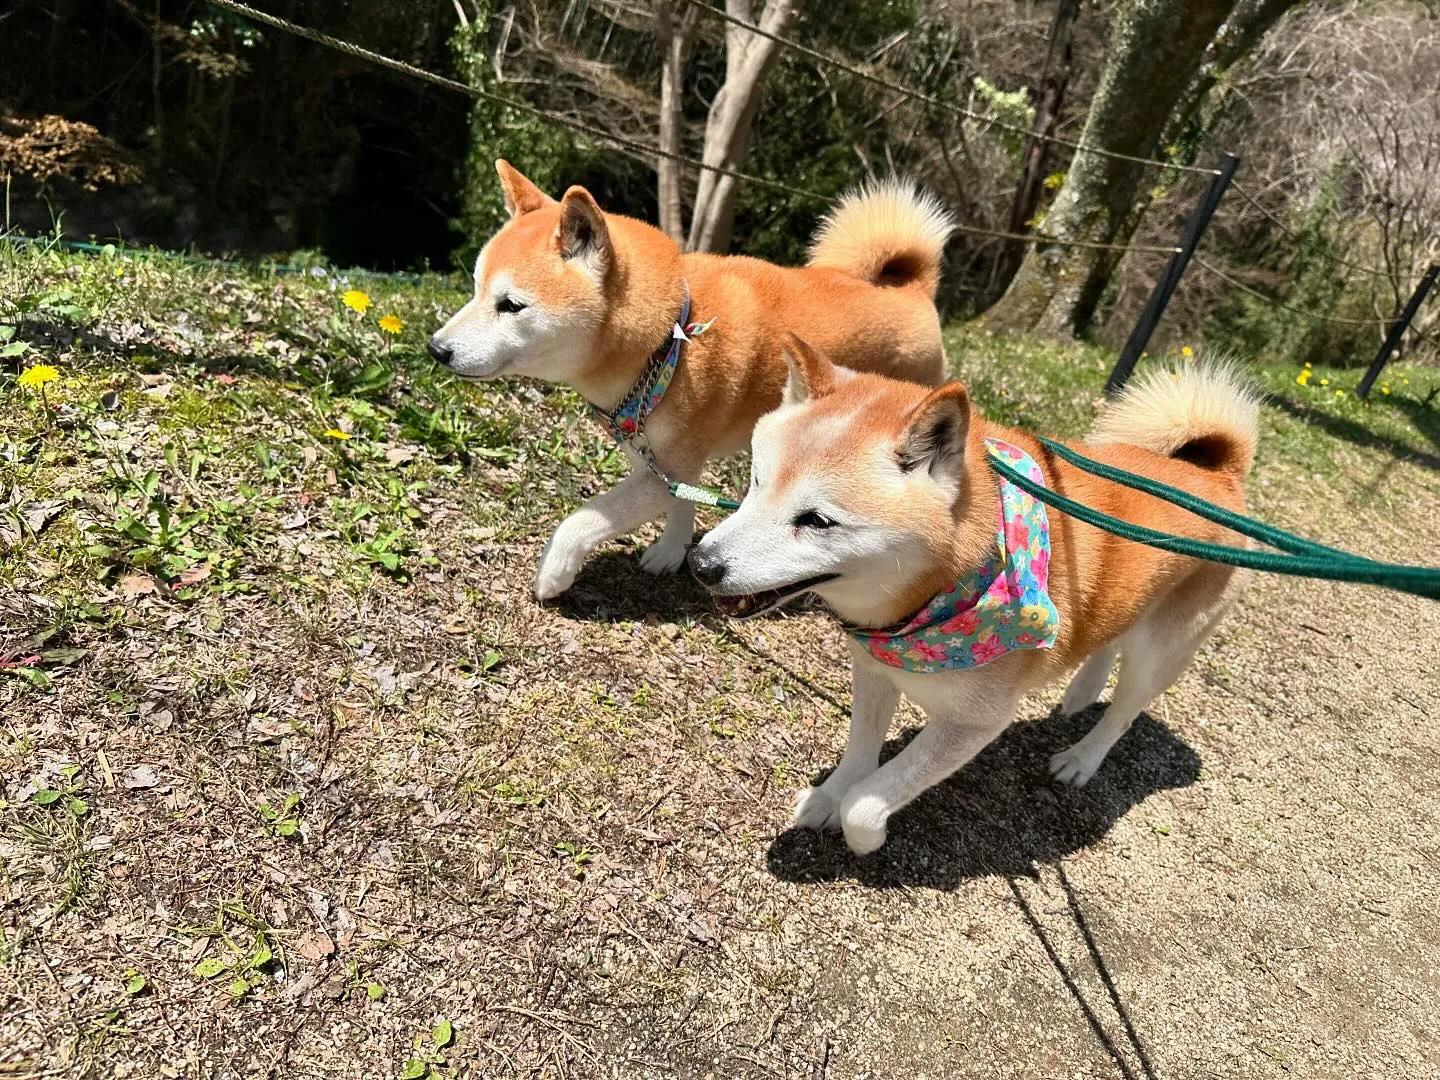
(1309, 428)
(215, 432)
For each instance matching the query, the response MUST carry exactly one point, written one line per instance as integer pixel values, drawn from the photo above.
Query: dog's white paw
(1076, 765)
(662, 557)
(863, 820)
(814, 809)
(554, 577)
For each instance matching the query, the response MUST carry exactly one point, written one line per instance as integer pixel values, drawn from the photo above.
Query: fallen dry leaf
(190, 575)
(133, 586)
(315, 945)
(141, 777)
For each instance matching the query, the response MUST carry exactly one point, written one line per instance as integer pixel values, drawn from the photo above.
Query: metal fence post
(1165, 287)
(1397, 330)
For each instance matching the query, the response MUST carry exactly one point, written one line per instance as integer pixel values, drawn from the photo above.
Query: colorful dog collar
(1002, 605)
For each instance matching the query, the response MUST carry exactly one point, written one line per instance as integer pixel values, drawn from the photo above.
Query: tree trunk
(1054, 78)
(1243, 30)
(674, 37)
(1155, 50)
(749, 59)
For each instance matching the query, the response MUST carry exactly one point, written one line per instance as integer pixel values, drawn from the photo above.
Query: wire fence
(1292, 234)
(937, 103)
(1314, 316)
(639, 147)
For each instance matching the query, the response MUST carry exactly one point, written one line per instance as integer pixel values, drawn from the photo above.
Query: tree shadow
(1421, 415)
(1000, 814)
(156, 350)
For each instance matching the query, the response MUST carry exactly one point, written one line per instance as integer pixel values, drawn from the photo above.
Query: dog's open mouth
(748, 605)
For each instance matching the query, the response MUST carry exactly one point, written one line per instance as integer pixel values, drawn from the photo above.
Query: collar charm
(1000, 606)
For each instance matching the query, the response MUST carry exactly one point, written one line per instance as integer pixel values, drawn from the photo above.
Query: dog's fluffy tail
(1206, 412)
(890, 233)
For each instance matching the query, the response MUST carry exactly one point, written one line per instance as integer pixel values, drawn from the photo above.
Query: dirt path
(580, 860)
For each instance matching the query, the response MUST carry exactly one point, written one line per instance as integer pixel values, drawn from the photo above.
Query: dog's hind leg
(1089, 682)
(1153, 654)
(667, 554)
(639, 498)
(871, 710)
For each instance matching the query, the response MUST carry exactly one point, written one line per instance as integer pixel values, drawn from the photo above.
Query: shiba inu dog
(957, 588)
(679, 354)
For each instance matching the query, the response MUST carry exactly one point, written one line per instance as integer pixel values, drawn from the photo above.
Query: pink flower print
(1025, 639)
(884, 655)
(965, 624)
(924, 650)
(1002, 590)
(1040, 566)
(987, 650)
(1019, 535)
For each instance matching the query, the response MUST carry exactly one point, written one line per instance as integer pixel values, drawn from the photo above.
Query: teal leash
(1315, 560)
(1296, 556)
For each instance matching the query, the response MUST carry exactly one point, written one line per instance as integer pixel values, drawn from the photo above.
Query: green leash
(1307, 558)
(1301, 558)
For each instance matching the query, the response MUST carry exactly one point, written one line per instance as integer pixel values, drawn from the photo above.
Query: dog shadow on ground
(612, 588)
(1000, 814)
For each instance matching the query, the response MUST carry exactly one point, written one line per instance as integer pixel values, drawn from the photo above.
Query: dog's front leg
(639, 498)
(871, 710)
(667, 554)
(958, 730)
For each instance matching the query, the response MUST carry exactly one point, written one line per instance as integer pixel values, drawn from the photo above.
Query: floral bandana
(645, 396)
(1000, 606)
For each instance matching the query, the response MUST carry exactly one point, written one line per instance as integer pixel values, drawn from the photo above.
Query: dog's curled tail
(888, 233)
(1206, 411)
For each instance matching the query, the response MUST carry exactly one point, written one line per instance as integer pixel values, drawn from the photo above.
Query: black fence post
(1397, 330)
(1165, 287)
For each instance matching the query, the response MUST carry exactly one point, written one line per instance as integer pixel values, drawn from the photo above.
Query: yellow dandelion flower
(356, 300)
(336, 433)
(1307, 363)
(1186, 351)
(1384, 389)
(1324, 382)
(1339, 393)
(392, 324)
(1303, 378)
(37, 376)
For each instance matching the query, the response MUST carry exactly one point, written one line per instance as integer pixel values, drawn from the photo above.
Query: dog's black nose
(708, 569)
(439, 350)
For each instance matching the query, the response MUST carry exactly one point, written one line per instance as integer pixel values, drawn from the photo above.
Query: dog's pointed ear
(935, 434)
(583, 233)
(812, 375)
(521, 196)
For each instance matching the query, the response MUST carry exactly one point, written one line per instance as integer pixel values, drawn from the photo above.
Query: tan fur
(877, 495)
(887, 233)
(1168, 406)
(1100, 583)
(617, 283)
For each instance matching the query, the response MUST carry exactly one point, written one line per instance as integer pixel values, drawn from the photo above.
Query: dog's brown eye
(810, 519)
(508, 305)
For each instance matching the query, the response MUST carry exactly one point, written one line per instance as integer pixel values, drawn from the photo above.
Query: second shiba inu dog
(957, 588)
(680, 354)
